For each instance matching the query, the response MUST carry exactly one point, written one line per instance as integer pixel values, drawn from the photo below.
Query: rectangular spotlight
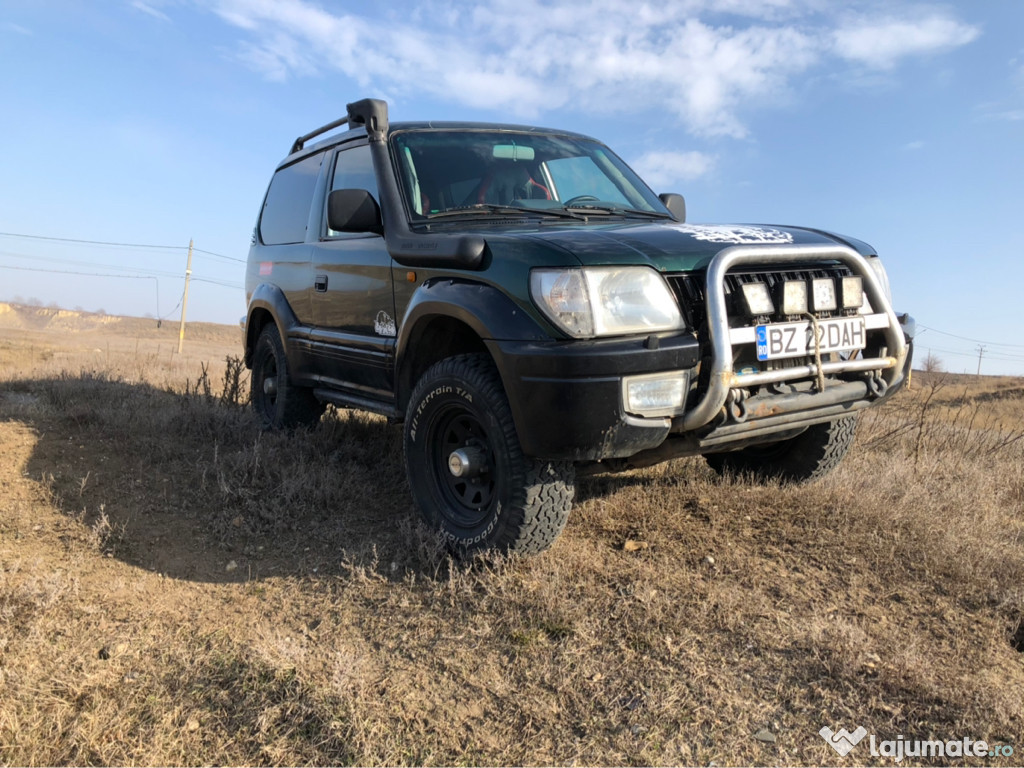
(794, 297)
(853, 293)
(823, 294)
(758, 299)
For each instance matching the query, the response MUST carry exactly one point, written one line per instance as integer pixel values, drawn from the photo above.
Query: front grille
(689, 287)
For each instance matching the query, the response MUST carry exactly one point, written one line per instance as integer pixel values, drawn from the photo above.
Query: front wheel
(808, 456)
(277, 401)
(467, 470)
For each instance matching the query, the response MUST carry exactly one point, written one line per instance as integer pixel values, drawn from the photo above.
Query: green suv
(530, 310)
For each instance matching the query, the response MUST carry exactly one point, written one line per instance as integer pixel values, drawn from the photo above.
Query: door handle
(320, 283)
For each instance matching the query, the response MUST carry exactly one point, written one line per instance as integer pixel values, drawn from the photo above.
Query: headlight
(605, 301)
(883, 277)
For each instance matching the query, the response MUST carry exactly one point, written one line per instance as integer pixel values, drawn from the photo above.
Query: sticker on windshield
(719, 233)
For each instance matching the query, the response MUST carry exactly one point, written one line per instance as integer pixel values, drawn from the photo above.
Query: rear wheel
(467, 470)
(278, 402)
(808, 456)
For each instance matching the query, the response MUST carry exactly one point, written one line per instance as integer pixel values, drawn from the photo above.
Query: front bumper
(886, 369)
(567, 402)
(566, 397)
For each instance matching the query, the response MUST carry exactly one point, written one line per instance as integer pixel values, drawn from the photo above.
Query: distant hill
(68, 321)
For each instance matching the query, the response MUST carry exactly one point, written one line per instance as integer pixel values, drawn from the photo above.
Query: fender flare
(487, 311)
(490, 312)
(270, 298)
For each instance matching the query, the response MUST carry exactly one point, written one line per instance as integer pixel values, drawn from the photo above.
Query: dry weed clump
(202, 694)
(952, 487)
(199, 591)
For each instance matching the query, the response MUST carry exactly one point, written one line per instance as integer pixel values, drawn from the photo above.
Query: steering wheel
(580, 199)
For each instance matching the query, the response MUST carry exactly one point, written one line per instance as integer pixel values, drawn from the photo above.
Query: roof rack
(373, 113)
(301, 141)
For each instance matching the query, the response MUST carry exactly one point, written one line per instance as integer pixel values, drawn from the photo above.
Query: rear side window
(286, 209)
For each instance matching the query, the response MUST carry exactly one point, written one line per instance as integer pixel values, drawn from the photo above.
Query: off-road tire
(290, 405)
(808, 456)
(518, 504)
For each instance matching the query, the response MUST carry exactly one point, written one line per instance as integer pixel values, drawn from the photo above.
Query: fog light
(823, 294)
(758, 299)
(794, 297)
(660, 394)
(853, 293)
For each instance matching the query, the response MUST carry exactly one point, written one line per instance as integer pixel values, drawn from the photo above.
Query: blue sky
(156, 121)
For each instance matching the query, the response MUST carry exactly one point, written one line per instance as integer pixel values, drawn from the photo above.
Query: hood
(673, 247)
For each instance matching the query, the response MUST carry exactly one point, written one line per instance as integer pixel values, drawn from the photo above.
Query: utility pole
(981, 351)
(184, 299)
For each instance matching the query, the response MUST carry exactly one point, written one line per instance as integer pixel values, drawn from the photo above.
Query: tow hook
(736, 406)
(877, 385)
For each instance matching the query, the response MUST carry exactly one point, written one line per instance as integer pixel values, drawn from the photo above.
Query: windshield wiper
(491, 208)
(590, 208)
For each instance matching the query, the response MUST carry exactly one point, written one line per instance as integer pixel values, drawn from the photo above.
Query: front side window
(444, 171)
(286, 209)
(353, 169)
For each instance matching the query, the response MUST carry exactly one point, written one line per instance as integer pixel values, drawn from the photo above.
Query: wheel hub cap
(467, 462)
(270, 386)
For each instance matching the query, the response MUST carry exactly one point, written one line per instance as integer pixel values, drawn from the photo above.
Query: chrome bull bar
(723, 378)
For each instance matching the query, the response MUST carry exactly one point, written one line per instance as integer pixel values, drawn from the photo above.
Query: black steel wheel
(809, 456)
(278, 402)
(463, 464)
(466, 468)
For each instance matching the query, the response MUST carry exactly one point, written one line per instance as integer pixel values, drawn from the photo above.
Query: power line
(219, 255)
(988, 356)
(75, 262)
(223, 283)
(154, 273)
(966, 338)
(72, 272)
(91, 242)
(173, 309)
(120, 245)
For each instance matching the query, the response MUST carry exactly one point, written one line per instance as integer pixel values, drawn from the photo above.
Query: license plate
(781, 340)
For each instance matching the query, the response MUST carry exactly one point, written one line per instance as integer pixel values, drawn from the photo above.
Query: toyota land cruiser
(529, 308)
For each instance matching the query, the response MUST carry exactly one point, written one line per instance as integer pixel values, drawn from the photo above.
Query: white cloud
(148, 9)
(881, 43)
(706, 62)
(663, 169)
(912, 146)
(10, 26)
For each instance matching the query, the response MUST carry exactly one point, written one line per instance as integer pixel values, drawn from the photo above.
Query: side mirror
(676, 205)
(353, 210)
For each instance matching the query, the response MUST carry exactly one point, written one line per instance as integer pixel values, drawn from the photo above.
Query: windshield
(446, 171)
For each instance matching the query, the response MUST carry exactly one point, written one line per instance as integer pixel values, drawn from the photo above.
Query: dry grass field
(178, 588)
